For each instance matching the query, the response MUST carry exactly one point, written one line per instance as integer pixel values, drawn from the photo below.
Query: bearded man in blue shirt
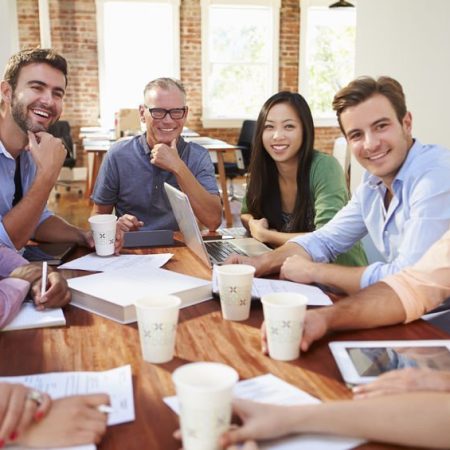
(402, 202)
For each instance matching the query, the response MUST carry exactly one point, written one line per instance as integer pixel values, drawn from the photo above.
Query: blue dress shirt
(7, 171)
(417, 216)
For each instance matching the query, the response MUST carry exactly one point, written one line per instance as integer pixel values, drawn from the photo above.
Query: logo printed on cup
(159, 333)
(284, 331)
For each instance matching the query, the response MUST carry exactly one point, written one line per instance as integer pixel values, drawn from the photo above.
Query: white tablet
(362, 361)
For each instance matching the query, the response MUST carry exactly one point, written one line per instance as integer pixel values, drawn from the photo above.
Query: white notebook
(30, 317)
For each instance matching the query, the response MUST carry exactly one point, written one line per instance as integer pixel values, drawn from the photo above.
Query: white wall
(9, 37)
(410, 41)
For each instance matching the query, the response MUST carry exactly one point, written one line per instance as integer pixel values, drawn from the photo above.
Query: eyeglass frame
(167, 111)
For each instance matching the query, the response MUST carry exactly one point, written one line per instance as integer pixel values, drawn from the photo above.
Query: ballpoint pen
(44, 278)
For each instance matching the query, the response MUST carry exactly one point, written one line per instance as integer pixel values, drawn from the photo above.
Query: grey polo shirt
(129, 181)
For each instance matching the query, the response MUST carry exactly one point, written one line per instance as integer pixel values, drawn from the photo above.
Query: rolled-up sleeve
(337, 236)
(426, 285)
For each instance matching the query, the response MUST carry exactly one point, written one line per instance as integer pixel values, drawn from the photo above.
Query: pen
(105, 409)
(44, 278)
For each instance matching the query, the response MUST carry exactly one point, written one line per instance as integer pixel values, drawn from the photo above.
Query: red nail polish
(38, 416)
(13, 436)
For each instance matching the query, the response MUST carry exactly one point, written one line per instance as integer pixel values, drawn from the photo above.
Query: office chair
(61, 129)
(240, 167)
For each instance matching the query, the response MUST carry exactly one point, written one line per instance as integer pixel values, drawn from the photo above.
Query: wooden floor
(72, 206)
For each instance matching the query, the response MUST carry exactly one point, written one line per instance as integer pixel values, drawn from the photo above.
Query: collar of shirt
(375, 182)
(4, 151)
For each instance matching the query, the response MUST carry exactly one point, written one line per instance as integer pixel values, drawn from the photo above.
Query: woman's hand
(258, 228)
(19, 408)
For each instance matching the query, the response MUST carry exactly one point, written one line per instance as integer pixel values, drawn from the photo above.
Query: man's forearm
(21, 221)
(395, 419)
(56, 229)
(271, 262)
(378, 305)
(346, 279)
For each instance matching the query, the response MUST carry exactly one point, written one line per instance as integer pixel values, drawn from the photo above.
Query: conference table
(93, 343)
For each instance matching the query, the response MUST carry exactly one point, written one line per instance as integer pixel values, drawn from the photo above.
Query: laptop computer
(210, 252)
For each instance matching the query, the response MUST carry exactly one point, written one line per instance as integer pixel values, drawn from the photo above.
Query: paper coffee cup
(235, 290)
(204, 391)
(103, 228)
(157, 318)
(284, 314)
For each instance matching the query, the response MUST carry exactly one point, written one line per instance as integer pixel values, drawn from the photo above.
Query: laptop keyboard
(220, 250)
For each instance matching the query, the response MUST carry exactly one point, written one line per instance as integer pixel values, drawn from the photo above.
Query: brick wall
(73, 33)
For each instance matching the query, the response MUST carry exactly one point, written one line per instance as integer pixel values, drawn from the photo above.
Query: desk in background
(219, 148)
(90, 342)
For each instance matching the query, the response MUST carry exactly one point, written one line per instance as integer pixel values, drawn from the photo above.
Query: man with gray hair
(134, 171)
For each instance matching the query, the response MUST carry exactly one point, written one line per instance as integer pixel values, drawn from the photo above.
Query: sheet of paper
(271, 389)
(30, 317)
(96, 263)
(115, 382)
(263, 286)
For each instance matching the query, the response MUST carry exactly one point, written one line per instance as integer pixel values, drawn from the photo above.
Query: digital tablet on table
(363, 361)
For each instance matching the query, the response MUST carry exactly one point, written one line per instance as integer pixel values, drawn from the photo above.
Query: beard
(19, 114)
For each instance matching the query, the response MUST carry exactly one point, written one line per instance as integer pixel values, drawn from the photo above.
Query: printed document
(95, 263)
(263, 286)
(117, 383)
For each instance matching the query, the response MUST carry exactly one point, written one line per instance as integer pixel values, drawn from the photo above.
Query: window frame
(209, 122)
(303, 83)
(101, 51)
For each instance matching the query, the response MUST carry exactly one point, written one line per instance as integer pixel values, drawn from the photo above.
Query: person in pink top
(18, 278)
(28, 416)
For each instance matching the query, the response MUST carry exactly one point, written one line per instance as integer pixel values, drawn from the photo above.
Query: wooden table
(90, 342)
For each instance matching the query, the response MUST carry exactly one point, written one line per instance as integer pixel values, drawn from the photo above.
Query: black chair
(61, 129)
(240, 167)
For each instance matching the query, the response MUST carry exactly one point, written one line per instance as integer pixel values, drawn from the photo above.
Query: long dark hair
(263, 193)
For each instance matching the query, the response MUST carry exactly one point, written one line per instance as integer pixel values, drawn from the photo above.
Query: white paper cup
(157, 318)
(103, 228)
(284, 314)
(204, 391)
(235, 289)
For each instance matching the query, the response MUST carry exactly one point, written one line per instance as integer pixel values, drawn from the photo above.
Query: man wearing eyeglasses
(133, 172)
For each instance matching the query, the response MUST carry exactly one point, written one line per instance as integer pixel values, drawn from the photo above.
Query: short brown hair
(30, 56)
(165, 83)
(362, 88)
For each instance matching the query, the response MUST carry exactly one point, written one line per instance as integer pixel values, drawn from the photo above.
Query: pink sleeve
(426, 285)
(12, 293)
(9, 260)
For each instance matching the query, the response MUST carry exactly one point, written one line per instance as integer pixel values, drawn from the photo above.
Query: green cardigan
(329, 190)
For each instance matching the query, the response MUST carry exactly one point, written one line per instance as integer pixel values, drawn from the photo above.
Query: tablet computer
(54, 253)
(152, 238)
(363, 361)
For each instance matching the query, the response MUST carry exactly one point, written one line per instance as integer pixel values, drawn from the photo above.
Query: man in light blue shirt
(32, 96)
(402, 202)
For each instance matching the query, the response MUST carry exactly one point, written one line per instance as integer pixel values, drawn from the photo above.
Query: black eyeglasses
(160, 113)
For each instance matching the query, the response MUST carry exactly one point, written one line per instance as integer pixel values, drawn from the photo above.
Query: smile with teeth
(41, 113)
(279, 148)
(167, 130)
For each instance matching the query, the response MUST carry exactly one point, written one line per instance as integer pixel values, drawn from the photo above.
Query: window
(327, 55)
(240, 59)
(138, 41)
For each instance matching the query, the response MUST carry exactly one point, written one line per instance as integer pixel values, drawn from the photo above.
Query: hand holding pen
(51, 290)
